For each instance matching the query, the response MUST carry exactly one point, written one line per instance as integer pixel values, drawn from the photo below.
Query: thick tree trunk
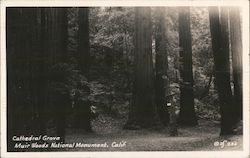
(219, 34)
(14, 123)
(54, 40)
(56, 34)
(38, 84)
(187, 112)
(33, 37)
(82, 108)
(143, 110)
(83, 40)
(25, 63)
(161, 66)
(236, 47)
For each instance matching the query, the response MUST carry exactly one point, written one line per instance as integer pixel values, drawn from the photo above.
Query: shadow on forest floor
(109, 130)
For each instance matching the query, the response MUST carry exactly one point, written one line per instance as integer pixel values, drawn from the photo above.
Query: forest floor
(200, 138)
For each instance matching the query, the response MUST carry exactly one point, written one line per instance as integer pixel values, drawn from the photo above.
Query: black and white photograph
(117, 80)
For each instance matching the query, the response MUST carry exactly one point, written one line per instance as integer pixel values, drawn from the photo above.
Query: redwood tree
(236, 47)
(161, 66)
(26, 73)
(82, 107)
(54, 41)
(142, 109)
(220, 46)
(187, 112)
(83, 40)
(56, 34)
(16, 84)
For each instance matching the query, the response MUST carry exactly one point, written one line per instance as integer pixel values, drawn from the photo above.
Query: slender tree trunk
(187, 112)
(161, 66)
(37, 72)
(236, 47)
(219, 34)
(207, 87)
(143, 110)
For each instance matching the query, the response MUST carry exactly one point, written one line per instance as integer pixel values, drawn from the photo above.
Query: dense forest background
(149, 68)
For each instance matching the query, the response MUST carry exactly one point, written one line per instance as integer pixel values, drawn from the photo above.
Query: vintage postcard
(124, 78)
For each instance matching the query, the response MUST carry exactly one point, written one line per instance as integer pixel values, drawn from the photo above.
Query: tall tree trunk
(37, 64)
(83, 40)
(161, 66)
(14, 123)
(25, 62)
(143, 110)
(236, 47)
(219, 34)
(28, 40)
(55, 36)
(35, 67)
(187, 112)
(82, 109)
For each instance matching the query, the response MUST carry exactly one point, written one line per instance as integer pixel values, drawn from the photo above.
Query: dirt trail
(204, 137)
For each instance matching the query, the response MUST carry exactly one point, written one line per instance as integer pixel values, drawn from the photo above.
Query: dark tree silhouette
(26, 73)
(82, 108)
(56, 34)
(220, 45)
(236, 47)
(187, 112)
(143, 110)
(83, 40)
(55, 47)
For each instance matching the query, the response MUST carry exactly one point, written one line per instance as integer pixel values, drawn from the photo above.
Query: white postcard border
(91, 3)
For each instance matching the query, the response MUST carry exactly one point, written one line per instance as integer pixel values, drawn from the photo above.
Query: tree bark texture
(236, 47)
(220, 46)
(82, 108)
(187, 112)
(83, 40)
(26, 73)
(143, 110)
(54, 42)
(56, 34)
(161, 67)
